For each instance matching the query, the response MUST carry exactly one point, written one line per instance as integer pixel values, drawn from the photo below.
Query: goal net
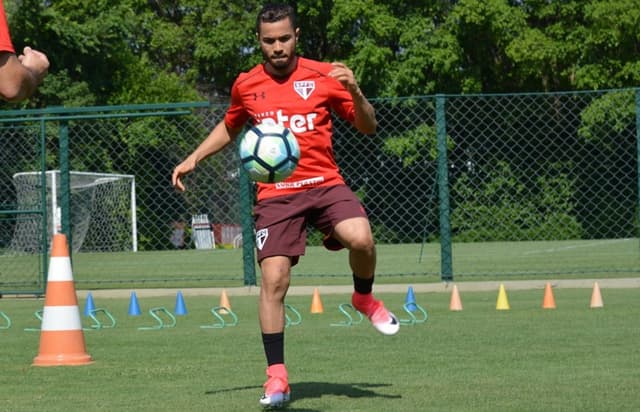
(102, 211)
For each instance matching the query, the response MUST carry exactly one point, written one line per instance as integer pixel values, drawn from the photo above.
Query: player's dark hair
(272, 13)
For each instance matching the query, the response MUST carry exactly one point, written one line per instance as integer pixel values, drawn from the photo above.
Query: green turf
(526, 359)
(405, 263)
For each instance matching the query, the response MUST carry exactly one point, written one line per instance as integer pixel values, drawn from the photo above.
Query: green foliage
(503, 208)
(63, 89)
(413, 145)
(142, 83)
(613, 111)
(396, 48)
(134, 51)
(385, 232)
(224, 42)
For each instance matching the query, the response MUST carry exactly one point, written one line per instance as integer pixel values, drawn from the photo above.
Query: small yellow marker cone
(503, 301)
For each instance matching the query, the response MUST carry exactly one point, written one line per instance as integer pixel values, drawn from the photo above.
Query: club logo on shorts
(304, 88)
(261, 238)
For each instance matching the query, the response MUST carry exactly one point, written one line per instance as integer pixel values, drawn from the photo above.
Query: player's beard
(282, 64)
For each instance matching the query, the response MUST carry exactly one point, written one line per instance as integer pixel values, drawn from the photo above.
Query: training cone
(134, 306)
(596, 297)
(61, 336)
(548, 301)
(89, 305)
(316, 302)
(455, 304)
(410, 300)
(224, 302)
(181, 308)
(503, 301)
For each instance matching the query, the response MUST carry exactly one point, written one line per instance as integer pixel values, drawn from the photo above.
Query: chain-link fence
(469, 185)
(22, 149)
(554, 177)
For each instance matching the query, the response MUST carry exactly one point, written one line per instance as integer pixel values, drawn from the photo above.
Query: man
(19, 75)
(299, 94)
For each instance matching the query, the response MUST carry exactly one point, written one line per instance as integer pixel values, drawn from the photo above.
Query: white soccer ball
(269, 152)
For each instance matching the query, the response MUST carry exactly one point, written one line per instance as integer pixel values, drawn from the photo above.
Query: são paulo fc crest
(261, 238)
(304, 88)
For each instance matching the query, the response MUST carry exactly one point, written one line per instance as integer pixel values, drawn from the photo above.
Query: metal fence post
(65, 190)
(443, 190)
(637, 111)
(43, 203)
(246, 206)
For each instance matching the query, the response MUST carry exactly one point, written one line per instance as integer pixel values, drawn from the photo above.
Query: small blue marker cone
(181, 308)
(89, 305)
(410, 300)
(134, 307)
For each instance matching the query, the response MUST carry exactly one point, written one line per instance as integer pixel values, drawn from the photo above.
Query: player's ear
(297, 32)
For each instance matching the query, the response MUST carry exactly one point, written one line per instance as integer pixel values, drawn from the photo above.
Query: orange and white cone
(61, 336)
(548, 301)
(455, 304)
(596, 297)
(316, 302)
(224, 303)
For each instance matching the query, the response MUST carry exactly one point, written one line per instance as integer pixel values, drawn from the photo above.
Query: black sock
(273, 347)
(361, 285)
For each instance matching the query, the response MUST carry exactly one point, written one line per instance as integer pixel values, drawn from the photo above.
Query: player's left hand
(345, 76)
(36, 61)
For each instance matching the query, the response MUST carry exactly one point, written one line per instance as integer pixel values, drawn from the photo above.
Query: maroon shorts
(281, 222)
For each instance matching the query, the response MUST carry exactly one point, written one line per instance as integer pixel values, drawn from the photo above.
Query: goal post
(102, 210)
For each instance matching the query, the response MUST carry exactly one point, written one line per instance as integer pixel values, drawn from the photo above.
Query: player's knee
(275, 278)
(362, 244)
(274, 289)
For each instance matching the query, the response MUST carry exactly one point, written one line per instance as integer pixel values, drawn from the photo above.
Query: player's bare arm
(37, 63)
(21, 75)
(220, 136)
(365, 120)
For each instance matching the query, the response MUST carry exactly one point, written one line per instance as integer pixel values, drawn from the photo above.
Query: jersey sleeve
(5, 38)
(340, 100)
(236, 116)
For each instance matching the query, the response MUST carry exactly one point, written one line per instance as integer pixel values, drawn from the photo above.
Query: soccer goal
(102, 211)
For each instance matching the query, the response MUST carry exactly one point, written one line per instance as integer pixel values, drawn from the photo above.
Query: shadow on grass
(237, 388)
(306, 390)
(288, 407)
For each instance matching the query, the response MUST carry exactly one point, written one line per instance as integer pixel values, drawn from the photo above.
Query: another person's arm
(21, 75)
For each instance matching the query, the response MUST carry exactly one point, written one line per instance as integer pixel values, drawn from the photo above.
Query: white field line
(577, 246)
(384, 288)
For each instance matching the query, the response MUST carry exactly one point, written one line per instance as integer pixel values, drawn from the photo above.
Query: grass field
(525, 359)
(407, 262)
(404, 263)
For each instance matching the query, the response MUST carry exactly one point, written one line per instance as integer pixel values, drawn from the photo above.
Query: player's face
(278, 44)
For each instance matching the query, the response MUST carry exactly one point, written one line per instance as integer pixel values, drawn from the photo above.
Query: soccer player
(19, 75)
(300, 94)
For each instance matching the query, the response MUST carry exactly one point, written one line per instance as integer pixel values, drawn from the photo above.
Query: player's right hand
(184, 168)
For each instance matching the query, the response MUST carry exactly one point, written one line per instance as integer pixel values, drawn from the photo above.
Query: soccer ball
(269, 152)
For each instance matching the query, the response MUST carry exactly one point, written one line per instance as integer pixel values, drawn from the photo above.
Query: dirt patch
(617, 283)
